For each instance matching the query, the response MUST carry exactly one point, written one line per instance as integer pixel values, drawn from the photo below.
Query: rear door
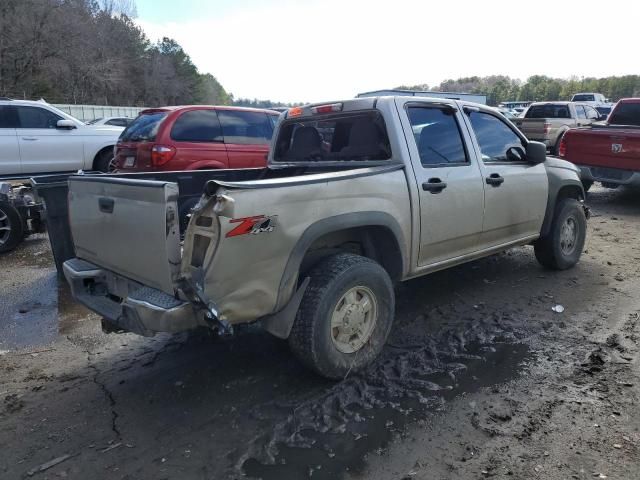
(197, 136)
(127, 226)
(247, 136)
(515, 190)
(9, 150)
(448, 180)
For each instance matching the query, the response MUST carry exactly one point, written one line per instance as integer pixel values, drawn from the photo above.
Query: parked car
(113, 121)
(36, 138)
(195, 138)
(546, 122)
(590, 98)
(608, 152)
(357, 195)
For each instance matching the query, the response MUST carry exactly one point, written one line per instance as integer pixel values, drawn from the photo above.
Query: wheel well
(570, 191)
(375, 242)
(100, 153)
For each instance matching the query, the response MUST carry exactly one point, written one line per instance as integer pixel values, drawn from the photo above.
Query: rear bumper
(128, 305)
(607, 175)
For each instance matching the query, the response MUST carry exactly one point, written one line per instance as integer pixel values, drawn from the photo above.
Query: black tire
(549, 250)
(311, 336)
(10, 219)
(587, 184)
(102, 162)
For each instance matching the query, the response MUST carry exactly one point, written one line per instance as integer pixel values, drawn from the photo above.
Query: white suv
(36, 137)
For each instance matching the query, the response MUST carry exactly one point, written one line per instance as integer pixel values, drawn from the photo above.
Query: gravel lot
(480, 378)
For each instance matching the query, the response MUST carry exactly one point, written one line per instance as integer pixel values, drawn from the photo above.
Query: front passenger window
(495, 138)
(35, 117)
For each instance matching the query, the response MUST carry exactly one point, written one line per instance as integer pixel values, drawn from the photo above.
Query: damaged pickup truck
(357, 195)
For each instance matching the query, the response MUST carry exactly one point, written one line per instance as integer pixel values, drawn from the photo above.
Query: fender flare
(280, 323)
(552, 200)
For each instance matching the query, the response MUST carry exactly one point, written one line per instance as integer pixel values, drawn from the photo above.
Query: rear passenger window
(245, 128)
(437, 136)
(197, 126)
(494, 137)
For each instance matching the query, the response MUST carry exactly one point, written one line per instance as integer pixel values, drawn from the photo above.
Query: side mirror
(65, 124)
(536, 152)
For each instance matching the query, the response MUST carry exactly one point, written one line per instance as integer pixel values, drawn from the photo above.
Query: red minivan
(195, 137)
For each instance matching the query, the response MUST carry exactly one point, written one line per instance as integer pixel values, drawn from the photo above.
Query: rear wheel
(11, 227)
(345, 315)
(561, 248)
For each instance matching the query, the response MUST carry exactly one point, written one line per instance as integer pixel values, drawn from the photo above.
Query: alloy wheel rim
(354, 319)
(5, 227)
(568, 236)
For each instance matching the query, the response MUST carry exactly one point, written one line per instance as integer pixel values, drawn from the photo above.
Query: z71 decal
(252, 225)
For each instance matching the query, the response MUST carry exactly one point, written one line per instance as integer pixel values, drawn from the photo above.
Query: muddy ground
(480, 379)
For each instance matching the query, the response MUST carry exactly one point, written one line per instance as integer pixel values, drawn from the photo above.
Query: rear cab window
(548, 111)
(359, 136)
(583, 98)
(144, 128)
(625, 114)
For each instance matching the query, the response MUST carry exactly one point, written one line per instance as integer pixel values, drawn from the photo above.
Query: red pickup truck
(607, 152)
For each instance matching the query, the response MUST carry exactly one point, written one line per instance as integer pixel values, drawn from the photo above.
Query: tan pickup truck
(546, 122)
(357, 195)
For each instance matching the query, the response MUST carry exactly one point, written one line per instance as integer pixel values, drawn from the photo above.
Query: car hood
(108, 130)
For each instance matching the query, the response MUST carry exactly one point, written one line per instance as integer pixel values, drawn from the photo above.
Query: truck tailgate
(127, 226)
(605, 147)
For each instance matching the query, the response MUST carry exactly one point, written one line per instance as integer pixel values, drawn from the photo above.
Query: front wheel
(345, 315)
(561, 248)
(11, 227)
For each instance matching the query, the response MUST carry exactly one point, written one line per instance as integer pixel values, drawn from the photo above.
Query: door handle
(495, 180)
(106, 204)
(30, 139)
(434, 185)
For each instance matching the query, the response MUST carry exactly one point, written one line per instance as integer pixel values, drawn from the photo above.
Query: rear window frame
(163, 113)
(317, 118)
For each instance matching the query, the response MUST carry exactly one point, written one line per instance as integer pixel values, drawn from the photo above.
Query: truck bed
(608, 146)
(190, 185)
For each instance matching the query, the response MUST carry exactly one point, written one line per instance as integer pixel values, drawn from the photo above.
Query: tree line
(92, 52)
(500, 88)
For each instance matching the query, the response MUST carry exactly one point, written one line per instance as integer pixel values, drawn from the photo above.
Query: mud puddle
(324, 438)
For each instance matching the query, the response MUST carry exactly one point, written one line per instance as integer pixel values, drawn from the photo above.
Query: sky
(317, 50)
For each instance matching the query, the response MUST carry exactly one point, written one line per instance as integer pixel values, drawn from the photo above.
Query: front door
(45, 148)
(448, 180)
(515, 190)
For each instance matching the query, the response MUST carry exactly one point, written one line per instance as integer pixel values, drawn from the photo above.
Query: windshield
(626, 114)
(361, 136)
(583, 98)
(143, 128)
(548, 111)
